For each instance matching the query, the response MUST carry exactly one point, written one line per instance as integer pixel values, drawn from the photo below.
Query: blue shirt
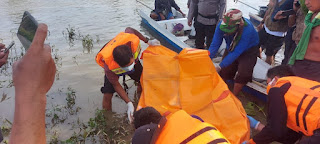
(248, 39)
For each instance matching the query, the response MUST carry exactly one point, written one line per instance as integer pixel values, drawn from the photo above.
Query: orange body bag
(188, 81)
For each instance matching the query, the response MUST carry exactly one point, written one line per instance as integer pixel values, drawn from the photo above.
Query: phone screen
(27, 29)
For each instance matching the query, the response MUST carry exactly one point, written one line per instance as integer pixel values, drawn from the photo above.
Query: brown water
(102, 20)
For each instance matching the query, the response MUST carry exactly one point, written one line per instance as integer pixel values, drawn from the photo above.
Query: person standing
(273, 28)
(297, 26)
(207, 14)
(242, 48)
(306, 57)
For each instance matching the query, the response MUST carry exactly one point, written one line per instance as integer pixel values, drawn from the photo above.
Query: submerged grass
(87, 41)
(104, 127)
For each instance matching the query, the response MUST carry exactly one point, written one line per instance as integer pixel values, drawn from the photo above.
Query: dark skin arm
(119, 89)
(292, 18)
(138, 34)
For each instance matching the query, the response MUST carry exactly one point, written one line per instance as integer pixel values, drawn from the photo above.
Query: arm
(277, 116)
(222, 8)
(243, 45)
(122, 93)
(138, 34)
(33, 76)
(276, 14)
(3, 56)
(292, 18)
(191, 11)
(216, 41)
(174, 4)
(114, 80)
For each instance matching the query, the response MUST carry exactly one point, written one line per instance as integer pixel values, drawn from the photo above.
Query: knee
(154, 16)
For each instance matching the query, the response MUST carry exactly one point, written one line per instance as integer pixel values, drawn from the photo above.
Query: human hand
(184, 15)
(279, 15)
(162, 16)
(154, 42)
(189, 23)
(294, 5)
(218, 68)
(34, 73)
(260, 27)
(130, 111)
(3, 55)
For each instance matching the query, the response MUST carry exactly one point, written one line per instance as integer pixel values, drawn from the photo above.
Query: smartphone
(27, 30)
(9, 47)
(288, 12)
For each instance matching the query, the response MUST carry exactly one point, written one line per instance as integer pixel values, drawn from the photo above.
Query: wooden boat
(255, 88)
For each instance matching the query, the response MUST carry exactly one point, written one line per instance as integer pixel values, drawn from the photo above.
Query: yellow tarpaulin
(189, 81)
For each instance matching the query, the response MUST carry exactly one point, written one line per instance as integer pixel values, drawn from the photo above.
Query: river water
(101, 20)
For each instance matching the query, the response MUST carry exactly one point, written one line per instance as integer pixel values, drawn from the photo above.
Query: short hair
(280, 71)
(122, 55)
(145, 116)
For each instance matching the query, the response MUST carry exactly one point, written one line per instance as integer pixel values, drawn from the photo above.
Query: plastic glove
(130, 111)
(245, 142)
(253, 122)
(249, 142)
(154, 42)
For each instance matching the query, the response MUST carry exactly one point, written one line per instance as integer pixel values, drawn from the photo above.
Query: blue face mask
(128, 68)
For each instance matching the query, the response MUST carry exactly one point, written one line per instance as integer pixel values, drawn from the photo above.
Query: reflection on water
(102, 20)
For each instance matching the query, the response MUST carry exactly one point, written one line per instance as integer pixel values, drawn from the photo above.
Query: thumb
(40, 37)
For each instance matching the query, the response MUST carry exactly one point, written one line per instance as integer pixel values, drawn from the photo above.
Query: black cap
(144, 134)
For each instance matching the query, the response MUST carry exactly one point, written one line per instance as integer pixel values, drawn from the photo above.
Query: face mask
(128, 68)
(269, 85)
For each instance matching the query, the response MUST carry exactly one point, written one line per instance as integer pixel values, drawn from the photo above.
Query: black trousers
(203, 33)
(290, 46)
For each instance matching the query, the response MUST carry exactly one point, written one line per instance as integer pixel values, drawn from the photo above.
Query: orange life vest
(181, 128)
(106, 52)
(303, 104)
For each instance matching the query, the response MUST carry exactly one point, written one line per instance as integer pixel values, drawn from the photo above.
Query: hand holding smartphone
(9, 47)
(288, 12)
(27, 30)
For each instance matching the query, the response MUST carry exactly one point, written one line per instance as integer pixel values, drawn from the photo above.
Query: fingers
(40, 37)
(47, 49)
(2, 46)
(4, 56)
